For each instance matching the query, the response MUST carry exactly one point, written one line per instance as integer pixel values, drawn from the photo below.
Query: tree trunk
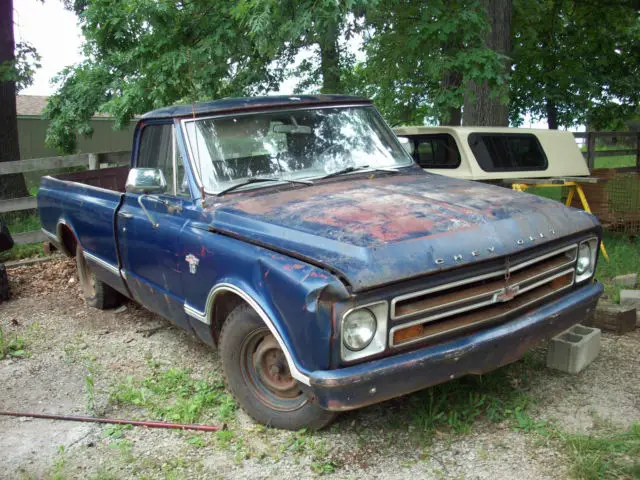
(330, 60)
(552, 114)
(453, 115)
(480, 108)
(11, 186)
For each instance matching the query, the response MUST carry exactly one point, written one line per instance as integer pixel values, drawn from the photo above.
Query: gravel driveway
(67, 343)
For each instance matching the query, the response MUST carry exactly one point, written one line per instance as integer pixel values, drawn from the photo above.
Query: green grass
(18, 252)
(11, 346)
(624, 258)
(455, 406)
(615, 162)
(24, 223)
(175, 396)
(614, 454)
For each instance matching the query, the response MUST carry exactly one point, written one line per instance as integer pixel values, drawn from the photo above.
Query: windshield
(290, 145)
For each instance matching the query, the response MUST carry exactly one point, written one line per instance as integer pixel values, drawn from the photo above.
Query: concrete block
(574, 349)
(630, 298)
(629, 281)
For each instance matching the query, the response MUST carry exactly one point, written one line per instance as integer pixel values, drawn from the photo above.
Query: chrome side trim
(221, 287)
(498, 273)
(480, 322)
(52, 237)
(195, 313)
(103, 263)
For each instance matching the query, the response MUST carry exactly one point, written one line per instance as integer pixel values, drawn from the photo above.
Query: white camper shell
(493, 153)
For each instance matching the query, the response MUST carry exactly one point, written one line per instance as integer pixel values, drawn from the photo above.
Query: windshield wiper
(350, 169)
(249, 181)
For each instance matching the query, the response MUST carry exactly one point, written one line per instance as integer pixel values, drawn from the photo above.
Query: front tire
(96, 293)
(257, 374)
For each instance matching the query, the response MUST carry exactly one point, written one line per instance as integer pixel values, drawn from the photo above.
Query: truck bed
(113, 178)
(84, 204)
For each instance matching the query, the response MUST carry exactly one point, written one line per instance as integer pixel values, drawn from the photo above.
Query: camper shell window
(436, 151)
(508, 152)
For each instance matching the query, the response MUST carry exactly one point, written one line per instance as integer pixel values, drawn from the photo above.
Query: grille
(469, 304)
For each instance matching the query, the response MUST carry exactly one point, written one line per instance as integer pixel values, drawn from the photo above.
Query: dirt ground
(65, 342)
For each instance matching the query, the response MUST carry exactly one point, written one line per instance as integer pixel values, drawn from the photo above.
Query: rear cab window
(507, 152)
(436, 151)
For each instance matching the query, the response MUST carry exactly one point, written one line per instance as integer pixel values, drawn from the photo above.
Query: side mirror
(145, 181)
(407, 144)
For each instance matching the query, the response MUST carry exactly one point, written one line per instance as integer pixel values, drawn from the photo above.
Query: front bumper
(379, 380)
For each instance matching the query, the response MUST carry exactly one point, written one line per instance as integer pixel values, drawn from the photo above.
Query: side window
(508, 152)
(437, 151)
(182, 184)
(156, 151)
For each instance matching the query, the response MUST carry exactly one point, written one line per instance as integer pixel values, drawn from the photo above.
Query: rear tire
(96, 293)
(257, 375)
(4, 284)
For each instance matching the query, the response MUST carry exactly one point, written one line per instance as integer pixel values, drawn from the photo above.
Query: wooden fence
(592, 152)
(90, 160)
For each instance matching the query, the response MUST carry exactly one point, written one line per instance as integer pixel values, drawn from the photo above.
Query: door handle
(125, 214)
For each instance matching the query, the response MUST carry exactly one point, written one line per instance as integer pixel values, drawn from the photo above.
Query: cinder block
(630, 298)
(629, 280)
(574, 349)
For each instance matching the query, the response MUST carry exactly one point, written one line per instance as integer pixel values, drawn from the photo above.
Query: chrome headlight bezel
(378, 343)
(591, 250)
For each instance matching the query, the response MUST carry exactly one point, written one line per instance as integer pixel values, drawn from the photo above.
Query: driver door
(148, 227)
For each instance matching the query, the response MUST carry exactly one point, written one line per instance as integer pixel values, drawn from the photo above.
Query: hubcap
(266, 372)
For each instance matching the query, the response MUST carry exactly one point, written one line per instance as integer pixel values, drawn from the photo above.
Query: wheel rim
(266, 372)
(86, 277)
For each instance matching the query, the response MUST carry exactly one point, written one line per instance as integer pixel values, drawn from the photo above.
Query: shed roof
(30, 105)
(249, 103)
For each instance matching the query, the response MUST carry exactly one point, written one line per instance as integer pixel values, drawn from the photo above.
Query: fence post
(93, 161)
(591, 150)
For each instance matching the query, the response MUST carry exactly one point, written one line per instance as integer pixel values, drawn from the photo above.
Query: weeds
(612, 455)
(174, 395)
(455, 406)
(11, 347)
(89, 386)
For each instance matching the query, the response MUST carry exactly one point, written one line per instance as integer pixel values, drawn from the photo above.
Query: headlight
(358, 329)
(584, 258)
(586, 261)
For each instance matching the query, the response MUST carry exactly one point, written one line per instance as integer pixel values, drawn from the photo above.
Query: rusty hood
(376, 229)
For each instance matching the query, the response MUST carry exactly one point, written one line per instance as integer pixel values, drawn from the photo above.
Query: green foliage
(21, 70)
(612, 455)
(143, 54)
(580, 58)
(282, 29)
(13, 346)
(456, 405)
(19, 252)
(421, 55)
(175, 396)
(624, 258)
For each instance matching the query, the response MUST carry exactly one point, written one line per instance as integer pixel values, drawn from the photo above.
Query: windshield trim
(191, 156)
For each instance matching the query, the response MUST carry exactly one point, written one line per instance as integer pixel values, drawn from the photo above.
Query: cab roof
(225, 105)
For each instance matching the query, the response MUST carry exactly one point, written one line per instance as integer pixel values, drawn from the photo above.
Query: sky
(54, 33)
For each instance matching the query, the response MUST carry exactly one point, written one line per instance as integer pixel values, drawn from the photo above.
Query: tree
(11, 186)
(420, 55)
(284, 28)
(483, 104)
(143, 54)
(576, 62)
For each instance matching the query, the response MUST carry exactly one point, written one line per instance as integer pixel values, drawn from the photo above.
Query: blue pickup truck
(332, 272)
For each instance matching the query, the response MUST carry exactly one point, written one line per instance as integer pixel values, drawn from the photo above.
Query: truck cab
(297, 235)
